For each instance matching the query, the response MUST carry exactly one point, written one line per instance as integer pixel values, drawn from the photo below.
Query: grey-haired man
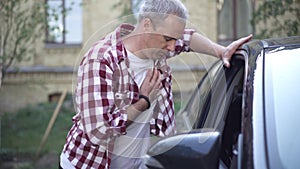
(124, 91)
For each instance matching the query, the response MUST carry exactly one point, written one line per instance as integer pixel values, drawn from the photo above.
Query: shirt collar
(120, 32)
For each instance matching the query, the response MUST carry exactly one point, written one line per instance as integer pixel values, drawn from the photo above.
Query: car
(245, 116)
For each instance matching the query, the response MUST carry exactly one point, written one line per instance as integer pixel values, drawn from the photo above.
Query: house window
(64, 22)
(234, 19)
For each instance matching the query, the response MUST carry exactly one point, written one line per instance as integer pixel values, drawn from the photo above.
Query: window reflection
(64, 21)
(234, 19)
(190, 116)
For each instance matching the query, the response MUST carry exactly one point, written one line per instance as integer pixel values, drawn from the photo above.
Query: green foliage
(278, 17)
(21, 134)
(125, 6)
(126, 10)
(22, 23)
(23, 131)
(55, 15)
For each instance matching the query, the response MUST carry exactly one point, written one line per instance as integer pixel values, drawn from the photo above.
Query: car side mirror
(197, 149)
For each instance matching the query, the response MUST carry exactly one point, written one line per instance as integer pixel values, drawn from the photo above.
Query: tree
(125, 6)
(22, 23)
(277, 18)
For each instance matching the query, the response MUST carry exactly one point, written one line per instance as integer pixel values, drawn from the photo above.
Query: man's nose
(171, 45)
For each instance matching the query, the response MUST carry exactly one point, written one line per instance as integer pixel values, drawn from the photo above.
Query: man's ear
(148, 25)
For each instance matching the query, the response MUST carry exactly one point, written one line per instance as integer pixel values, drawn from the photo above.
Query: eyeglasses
(168, 38)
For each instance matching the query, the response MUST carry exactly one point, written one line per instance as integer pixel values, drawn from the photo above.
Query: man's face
(162, 38)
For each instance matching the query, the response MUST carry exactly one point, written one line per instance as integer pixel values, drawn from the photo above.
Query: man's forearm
(202, 44)
(135, 110)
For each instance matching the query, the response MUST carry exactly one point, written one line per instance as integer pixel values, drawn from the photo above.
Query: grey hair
(158, 10)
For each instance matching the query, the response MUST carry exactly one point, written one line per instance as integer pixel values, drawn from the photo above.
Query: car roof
(254, 48)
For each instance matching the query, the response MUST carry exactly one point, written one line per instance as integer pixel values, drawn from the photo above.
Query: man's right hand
(150, 88)
(151, 84)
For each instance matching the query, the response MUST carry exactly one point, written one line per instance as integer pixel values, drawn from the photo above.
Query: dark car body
(245, 116)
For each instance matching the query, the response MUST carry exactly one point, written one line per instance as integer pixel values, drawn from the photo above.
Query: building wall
(21, 89)
(51, 70)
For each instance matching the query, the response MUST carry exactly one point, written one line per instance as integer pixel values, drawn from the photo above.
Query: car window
(187, 118)
(282, 95)
(224, 92)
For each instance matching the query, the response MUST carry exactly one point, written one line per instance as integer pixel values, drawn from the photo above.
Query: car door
(207, 123)
(216, 104)
(210, 102)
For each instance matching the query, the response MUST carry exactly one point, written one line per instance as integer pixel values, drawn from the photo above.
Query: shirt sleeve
(99, 116)
(183, 45)
(163, 121)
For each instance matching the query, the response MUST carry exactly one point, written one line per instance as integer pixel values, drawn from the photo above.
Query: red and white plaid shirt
(105, 88)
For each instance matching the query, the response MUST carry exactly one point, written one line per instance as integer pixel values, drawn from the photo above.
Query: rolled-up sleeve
(183, 44)
(100, 118)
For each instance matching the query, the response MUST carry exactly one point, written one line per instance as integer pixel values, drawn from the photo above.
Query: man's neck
(134, 43)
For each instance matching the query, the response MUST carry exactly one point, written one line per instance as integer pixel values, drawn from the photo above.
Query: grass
(22, 131)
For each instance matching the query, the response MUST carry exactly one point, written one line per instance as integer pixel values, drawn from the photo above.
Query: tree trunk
(1, 76)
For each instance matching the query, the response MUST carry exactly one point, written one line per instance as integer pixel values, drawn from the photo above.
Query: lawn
(21, 134)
